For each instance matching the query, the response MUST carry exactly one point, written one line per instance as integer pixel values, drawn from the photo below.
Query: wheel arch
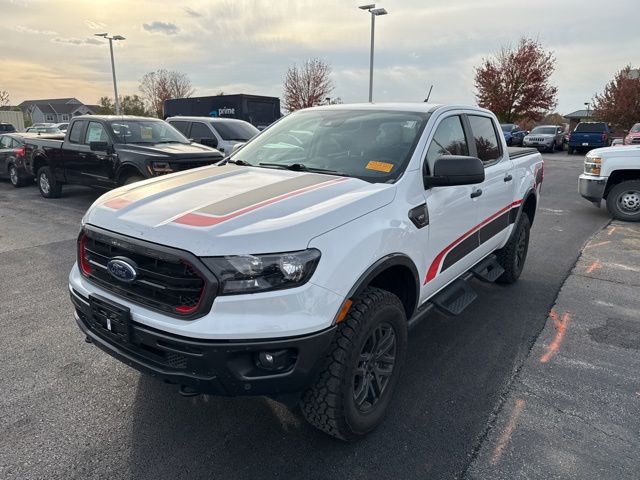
(126, 170)
(619, 176)
(395, 273)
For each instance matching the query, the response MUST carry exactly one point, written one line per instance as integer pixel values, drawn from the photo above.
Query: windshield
(635, 128)
(543, 131)
(590, 128)
(368, 144)
(239, 131)
(146, 131)
(507, 127)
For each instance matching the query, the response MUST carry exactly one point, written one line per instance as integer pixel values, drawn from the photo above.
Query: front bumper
(592, 187)
(208, 366)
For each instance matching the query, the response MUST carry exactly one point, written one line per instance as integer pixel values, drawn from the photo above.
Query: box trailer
(258, 110)
(15, 118)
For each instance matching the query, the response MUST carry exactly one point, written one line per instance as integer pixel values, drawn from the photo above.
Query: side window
(200, 130)
(485, 138)
(449, 139)
(182, 127)
(76, 132)
(5, 142)
(95, 133)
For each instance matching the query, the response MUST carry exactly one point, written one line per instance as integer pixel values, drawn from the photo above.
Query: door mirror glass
(451, 170)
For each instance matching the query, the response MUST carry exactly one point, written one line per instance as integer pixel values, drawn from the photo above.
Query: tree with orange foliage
(619, 103)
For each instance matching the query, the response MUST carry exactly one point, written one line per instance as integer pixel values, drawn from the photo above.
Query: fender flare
(127, 166)
(514, 220)
(391, 260)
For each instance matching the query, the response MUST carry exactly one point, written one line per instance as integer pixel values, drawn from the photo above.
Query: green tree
(106, 106)
(129, 105)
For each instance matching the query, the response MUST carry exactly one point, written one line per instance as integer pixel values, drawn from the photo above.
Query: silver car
(545, 137)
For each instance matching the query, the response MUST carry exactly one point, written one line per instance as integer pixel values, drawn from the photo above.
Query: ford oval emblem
(122, 269)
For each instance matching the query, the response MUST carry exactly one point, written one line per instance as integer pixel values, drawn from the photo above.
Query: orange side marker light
(344, 310)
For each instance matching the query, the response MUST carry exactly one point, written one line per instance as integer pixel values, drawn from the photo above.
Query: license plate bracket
(110, 319)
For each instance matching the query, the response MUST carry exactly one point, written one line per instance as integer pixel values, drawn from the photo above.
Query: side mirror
(100, 147)
(236, 147)
(209, 142)
(450, 170)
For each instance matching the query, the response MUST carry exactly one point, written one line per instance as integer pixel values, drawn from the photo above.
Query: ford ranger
(613, 174)
(108, 151)
(295, 268)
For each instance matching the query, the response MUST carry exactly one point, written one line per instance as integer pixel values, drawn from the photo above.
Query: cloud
(192, 13)
(161, 27)
(76, 41)
(94, 25)
(33, 31)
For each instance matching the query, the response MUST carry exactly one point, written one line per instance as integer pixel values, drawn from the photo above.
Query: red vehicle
(633, 137)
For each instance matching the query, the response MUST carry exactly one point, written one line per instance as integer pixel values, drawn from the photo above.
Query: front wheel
(47, 184)
(512, 256)
(623, 201)
(350, 395)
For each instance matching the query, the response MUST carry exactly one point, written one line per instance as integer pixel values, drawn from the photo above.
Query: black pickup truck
(106, 151)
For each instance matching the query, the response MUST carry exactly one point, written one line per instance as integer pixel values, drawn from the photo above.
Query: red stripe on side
(195, 219)
(117, 203)
(435, 265)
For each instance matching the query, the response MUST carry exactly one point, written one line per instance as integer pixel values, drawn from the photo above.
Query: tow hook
(188, 391)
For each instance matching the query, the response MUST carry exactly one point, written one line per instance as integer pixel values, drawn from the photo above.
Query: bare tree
(161, 85)
(4, 98)
(307, 85)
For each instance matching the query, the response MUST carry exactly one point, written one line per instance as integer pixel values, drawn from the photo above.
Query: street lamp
(113, 66)
(586, 104)
(371, 8)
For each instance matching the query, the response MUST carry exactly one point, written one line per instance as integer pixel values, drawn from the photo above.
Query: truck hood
(232, 210)
(170, 151)
(618, 151)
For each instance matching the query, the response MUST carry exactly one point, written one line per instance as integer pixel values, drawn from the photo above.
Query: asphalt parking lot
(67, 410)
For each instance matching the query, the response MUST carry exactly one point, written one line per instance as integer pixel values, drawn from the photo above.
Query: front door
(97, 166)
(452, 212)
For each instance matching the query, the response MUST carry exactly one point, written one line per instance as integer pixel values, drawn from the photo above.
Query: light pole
(371, 8)
(113, 65)
(586, 104)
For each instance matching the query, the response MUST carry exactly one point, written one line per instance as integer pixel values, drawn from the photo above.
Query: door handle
(508, 178)
(476, 193)
(82, 155)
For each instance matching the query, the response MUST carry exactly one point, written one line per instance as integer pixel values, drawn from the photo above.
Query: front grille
(536, 139)
(188, 164)
(165, 281)
(635, 140)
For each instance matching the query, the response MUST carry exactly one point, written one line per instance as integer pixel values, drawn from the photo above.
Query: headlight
(262, 273)
(592, 165)
(159, 167)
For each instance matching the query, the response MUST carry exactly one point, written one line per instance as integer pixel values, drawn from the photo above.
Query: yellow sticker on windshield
(379, 166)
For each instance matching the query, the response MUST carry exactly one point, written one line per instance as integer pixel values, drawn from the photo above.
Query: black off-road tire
(132, 179)
(47, 184)
(623, 201)
(514, 254)
(570, 150)
(330, 403)
(14, 177)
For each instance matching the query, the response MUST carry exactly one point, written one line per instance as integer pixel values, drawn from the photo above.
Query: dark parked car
(589, 135)
(513, 134)
(107, 151)
(12, 160)
(7, 128)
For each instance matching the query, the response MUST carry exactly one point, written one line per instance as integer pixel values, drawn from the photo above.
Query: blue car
(513, 134)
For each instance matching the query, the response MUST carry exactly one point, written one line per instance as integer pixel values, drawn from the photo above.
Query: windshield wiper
(300, 167)
(238, 162)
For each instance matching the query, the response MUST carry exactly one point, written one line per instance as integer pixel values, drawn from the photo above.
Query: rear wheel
(47, 184)
(350, 396)
(570, 150)
(623, 201)
(513, 255)
(14, 177)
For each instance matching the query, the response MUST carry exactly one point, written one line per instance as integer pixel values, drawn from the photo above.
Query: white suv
(219, 133)
(296, 268)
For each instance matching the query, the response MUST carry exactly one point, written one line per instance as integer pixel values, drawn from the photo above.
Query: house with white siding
(56, 110)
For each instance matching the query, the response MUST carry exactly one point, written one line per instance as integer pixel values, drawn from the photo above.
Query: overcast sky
(47, 48)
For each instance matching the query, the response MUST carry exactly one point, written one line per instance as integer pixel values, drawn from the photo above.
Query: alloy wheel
(44, 183)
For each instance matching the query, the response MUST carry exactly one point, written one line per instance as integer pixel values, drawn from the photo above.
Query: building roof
(71, 100)
(580, 114)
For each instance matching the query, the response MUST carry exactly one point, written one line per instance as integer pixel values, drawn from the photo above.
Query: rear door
(451, 209)
(495, 201)
(5, 152)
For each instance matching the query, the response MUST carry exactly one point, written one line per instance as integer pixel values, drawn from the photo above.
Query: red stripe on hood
(195, 219)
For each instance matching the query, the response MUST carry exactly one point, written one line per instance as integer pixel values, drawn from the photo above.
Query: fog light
(276, 360)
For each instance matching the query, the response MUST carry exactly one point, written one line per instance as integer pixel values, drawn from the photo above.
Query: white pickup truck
(613, 174)
(296, 267)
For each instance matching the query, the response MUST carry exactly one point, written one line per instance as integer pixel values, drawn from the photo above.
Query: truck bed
(517, 152)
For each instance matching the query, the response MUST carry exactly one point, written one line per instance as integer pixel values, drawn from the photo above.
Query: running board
(455, 298)
(488, 270)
